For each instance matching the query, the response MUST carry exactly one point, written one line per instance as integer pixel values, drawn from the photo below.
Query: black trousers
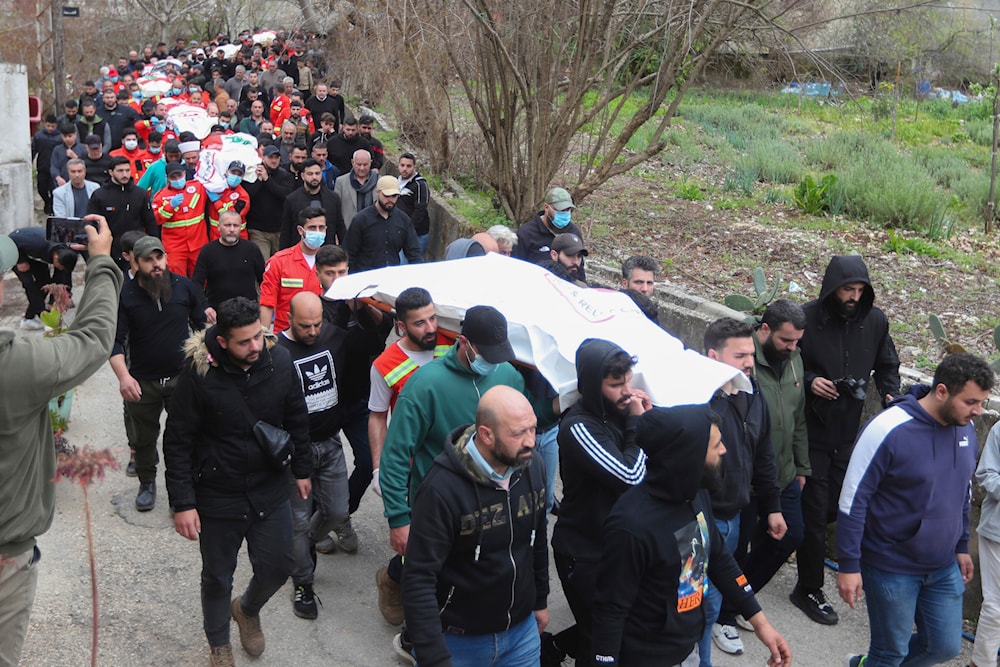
(579, 581)
(269, 545)
(819, 508)
(44, 185)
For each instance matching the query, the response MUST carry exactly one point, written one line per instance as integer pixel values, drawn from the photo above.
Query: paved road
(148, 580)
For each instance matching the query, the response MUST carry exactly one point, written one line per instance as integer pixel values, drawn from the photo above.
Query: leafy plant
(813, 197)
(53, 317)
(764, 294)
(937, 330)
(690, 191)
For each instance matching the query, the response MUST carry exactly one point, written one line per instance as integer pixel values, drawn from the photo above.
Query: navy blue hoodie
(904, 506)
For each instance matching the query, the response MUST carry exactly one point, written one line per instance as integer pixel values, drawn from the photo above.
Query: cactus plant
(764, 294)
(937, 330)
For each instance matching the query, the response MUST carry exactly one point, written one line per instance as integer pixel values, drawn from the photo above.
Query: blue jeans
(322, 511)
(520, 646)
(730, 532)
(895, 601)
(548, 448)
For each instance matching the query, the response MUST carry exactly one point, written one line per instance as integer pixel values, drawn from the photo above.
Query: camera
(67, 230)
(853, 386)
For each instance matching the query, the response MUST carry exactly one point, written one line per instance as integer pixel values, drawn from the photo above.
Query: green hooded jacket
(786, 402)
(34, 370)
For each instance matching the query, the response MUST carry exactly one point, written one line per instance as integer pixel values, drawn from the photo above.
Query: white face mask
(130, 144)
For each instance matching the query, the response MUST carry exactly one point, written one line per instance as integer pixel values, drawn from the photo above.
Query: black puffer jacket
(598, 458)
(834, 347)
(476, 561)
(213, 462)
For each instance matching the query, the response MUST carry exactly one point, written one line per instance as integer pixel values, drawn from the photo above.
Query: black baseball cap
(486, 328)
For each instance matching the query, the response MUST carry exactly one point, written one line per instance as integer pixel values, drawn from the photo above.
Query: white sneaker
(727, 639)
(34, 324)
(743, 623)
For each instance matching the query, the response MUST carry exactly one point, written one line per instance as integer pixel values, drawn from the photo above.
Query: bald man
(319, 352)
(478, 523)
(356, 187)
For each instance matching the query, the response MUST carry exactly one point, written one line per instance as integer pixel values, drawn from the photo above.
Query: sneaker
(390, 599)
(744, 623)
(727, 639)
(146, 500)
(855, 660)
(403, 647)
(327, 545)
(34, 324)
(552, 655)
(347, 539)
(221, 656)
(251, 634)
(814, 605)
(304, 602)
(130, 468)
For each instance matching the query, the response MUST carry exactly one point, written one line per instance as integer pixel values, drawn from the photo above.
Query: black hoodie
(834, 348)
(477, 561)
(660, 546)
(598, 457)
(126, 207)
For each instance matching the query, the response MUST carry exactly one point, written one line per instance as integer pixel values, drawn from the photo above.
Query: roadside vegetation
(753, 178)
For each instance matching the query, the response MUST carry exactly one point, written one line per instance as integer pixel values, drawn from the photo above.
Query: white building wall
(16, 197)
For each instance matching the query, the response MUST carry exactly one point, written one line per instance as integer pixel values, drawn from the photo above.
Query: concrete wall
(16, 204)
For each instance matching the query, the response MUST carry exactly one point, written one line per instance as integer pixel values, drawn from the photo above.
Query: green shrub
(944, 167)
(773, 160)
(835, 150)
(889, 188)
(973, 190)
(738, 124)
(980, 131)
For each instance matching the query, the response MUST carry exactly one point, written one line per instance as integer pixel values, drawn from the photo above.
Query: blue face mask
(160, 127)
(192, 90)
(560, 219)
(314, 240)
(232, 180)
(177, 183)
(114, 79)
(154, 150)
(480, 366)
(136, 95)
(225, 126)
(176, 91)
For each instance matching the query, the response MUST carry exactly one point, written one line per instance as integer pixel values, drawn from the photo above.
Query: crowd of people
(669, 520)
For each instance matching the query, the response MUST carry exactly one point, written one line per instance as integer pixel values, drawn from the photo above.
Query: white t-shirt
(381, 395)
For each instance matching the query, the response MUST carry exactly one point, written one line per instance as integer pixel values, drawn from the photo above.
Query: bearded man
(157, 308)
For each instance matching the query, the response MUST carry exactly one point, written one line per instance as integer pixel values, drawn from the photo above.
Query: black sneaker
(304, 603)
(404, 647)
(814, 605)
(146, 500)
(130, 468)
(552, 655)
